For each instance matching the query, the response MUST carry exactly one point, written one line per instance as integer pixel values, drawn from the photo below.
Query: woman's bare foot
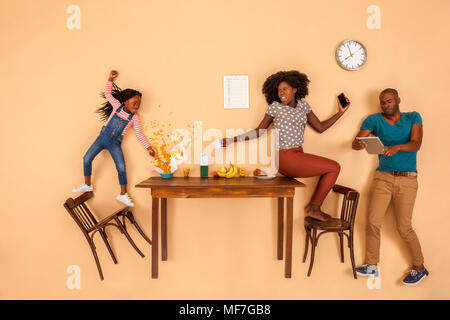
(314, 212)
(325, 215)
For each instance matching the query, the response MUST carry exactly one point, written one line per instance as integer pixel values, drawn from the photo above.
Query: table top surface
(239, 182)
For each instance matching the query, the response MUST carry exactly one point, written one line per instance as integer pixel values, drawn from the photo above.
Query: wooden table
(240, 187)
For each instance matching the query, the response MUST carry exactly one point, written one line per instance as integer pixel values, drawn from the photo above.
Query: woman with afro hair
(284, 92)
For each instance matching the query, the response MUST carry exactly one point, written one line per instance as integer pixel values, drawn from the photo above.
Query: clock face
(351, 55)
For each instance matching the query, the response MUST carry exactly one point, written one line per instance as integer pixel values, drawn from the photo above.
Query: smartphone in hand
(343, 100)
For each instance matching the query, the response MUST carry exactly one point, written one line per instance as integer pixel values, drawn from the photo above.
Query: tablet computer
(374, 144)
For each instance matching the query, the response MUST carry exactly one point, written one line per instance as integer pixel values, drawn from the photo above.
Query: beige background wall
(176, 53)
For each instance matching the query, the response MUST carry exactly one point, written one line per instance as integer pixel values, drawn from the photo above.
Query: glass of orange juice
(186, 172)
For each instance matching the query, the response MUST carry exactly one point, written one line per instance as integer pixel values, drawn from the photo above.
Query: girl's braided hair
(121, 95)
(294, 78)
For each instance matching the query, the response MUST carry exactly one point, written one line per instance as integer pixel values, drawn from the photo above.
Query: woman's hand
(343, 109)
(151, 151)
(227, 141)
(112, 75)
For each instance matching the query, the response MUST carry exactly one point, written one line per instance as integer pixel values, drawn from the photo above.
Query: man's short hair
(389, 90)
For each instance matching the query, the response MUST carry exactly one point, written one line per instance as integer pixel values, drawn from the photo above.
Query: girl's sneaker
(83, 188)
(124, 198)
(367, 270)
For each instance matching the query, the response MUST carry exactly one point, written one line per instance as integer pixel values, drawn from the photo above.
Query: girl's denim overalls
(110, 138)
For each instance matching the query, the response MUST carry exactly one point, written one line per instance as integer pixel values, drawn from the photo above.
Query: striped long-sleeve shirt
(122, 114)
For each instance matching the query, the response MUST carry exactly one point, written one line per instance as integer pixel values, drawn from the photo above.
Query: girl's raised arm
(108, 90)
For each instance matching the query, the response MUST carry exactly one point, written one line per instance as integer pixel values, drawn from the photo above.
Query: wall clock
(351, 55)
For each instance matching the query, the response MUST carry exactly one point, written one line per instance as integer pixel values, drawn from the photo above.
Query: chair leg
(130, 217)
(105, 239)
(124, 221)
(313, 250)
(94, 252)
(341, 241)
(128, 237)
(308, 232)
(352, 255)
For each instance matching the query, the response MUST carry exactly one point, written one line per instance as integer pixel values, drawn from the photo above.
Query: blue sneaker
(367, 270)
(414, 277)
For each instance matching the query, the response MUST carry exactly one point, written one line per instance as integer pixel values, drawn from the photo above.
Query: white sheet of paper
(235, 92)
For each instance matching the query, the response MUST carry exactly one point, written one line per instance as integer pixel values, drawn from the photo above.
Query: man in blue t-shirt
(395, 181)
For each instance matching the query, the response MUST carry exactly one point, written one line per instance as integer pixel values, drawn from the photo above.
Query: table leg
(164, 229)
(155, 237)
(280, 232)
(289, 228)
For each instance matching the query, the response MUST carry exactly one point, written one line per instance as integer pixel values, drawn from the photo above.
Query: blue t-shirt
(390, 135)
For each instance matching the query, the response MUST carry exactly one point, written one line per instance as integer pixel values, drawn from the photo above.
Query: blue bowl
(166, 175)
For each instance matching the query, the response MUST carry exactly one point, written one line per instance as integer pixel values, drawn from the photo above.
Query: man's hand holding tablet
(373, 145)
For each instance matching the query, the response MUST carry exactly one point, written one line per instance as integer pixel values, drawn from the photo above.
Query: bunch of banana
(224, 173)
(232, 172)
(221, 172)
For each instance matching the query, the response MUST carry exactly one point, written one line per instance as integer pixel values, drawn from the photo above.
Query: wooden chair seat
(332, 224)
(108, 219)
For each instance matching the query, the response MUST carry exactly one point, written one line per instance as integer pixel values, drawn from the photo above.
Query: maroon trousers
(297, 164)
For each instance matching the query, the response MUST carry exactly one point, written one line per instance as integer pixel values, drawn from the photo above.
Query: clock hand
(351, 54)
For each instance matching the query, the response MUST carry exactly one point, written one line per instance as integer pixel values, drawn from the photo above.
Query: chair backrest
(349, 203)
(79, 211)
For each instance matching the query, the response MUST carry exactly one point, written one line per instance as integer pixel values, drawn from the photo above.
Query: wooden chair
(89, 225)
(344, 223)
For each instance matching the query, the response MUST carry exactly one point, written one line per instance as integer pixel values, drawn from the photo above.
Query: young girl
(120, 113)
